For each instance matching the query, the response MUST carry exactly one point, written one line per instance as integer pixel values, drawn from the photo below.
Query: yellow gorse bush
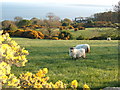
(38, 80)
(12, 54)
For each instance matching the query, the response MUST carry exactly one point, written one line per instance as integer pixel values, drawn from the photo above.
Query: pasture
(98, 70)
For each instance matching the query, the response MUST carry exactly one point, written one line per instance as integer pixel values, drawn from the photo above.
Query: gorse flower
(45, 70)
(74, 84)
(1, 38)
(86, 87)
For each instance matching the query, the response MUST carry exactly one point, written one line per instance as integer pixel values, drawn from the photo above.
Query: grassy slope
(98, 70)
(93, 32)
(90, 32)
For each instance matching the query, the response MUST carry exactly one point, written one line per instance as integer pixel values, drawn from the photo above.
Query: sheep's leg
(84, 56)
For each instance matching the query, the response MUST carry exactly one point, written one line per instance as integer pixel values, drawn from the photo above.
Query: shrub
(54, 38)
(76, 29)
(81, 28)
(71, 27)
(60, 28)
(65, 35)
(41, 35)
(65, 24)
(46, 37)
(26, 33)
(32, 34)
(11, 54)
(39, 80)
(18, 33)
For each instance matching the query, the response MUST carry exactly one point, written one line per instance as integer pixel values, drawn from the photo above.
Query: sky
(61, 8)
(91, 2)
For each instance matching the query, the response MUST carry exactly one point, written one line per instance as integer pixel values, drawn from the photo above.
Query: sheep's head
(71, 49)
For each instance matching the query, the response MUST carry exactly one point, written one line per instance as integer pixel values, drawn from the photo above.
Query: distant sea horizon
(39, 10)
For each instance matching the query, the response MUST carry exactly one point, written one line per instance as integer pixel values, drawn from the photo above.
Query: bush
(18, 33)
(60, 28)
(26, 33)
(71, 27)
(54, 38)
(33, 34)
(76, 29)
(41, 35)
(65, 24)
(81, 28)
(24, 23)
(11, 54)
(65, 35)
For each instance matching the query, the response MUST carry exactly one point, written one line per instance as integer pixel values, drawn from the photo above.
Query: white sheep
(77, 53)
(85, 46)
(108, 38)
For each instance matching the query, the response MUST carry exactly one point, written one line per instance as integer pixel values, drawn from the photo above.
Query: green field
(98, 70)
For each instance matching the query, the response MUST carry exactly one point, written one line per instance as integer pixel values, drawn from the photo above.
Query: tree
(12, 27)
(117, 9)
(51, 24)
(6, 24)
(106, 16)
(35, 21)
(50, 15)
(24, 23)
(66, 22)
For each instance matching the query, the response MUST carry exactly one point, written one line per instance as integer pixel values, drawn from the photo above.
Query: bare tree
(18, 18)
(52, 23)
(50, 15)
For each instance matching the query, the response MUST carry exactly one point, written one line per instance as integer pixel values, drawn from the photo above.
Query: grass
(98, 70)
(93, 32)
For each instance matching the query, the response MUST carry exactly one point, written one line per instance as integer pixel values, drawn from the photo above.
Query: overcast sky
(93, 2)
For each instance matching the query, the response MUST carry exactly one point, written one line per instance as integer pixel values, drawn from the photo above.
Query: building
(81, 19)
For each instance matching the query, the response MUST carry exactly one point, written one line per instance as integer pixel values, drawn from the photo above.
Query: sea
(10, 10)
